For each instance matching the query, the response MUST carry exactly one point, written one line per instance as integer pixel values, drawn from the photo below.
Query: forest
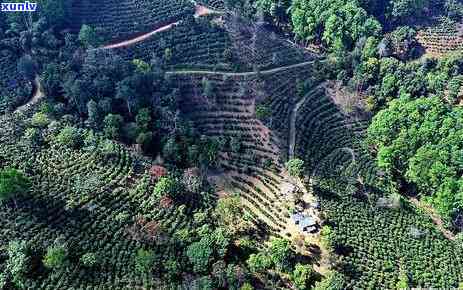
(232, 144)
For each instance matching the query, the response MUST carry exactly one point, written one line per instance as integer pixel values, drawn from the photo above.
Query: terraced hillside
(442, 39)
(376, 243)
(254, 167)
(86, 198)
(194, 43)
(122, 19)
(279, 94)
(259, 46)
(254, 101)
(217, 42)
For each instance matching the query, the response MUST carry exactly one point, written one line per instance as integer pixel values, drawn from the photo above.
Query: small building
(305, 223)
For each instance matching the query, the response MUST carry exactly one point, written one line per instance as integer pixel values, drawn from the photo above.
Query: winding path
(292, 126)
(137, 39)
(292, 122)
(200, 10)
(38, 94)
(292, 131)
(242, 74)
(435, 218)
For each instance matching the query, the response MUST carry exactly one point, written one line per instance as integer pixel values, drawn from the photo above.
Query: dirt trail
(243, 74)
(292, 128)
(200, 11)
(38, 94)
(137, 39)
(435, 218)
(292, 122)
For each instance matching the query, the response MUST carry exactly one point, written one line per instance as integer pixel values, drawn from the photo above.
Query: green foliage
(33, 136)
(370, 49)
(212, 245)
(455, 86)
(208, 89)
(192, 182)
(171, 150)
(56, 257)
(459, 240)
(89, 260)
(262, 112)
(144, 139)
(12, 183)
(280, 253)
(168, 54)
(403, 9)
(419, 140)
(88, 36)
(55, 11)
(167, 185)
(3, 280)
(235, 144)
(27, 67)
(209, 151)
(69, 136)
(144, 261)
(230, 214)
(93, 114)
(403, 42)
(246, 286)
(143, 119)
(112, 124)
(200, 254)
(295, 167)
(40, 120)
(301, 276)
(259, 262)
(326, 237)
(18, 262)
(403, 282)
(333, 281)
(341, 23)
(141, 66)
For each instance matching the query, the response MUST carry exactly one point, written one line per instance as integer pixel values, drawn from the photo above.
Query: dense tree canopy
(420, 141)
(338, 24)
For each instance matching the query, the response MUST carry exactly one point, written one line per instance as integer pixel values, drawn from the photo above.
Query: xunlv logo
(19, 7)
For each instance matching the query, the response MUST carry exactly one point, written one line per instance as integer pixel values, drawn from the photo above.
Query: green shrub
(40, 120)
(144, 260)
(295, 167)
(69, 136)
(18, 262)
(302, 275)
(56, 257)
(167, 185)
(89, 260)
(12, 183)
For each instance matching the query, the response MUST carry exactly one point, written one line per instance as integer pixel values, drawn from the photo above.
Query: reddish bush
(166, 202)
(157, 172)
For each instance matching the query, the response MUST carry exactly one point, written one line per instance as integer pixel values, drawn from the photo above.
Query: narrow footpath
(292, 122)
(37, 95)
(200, 11)
(437, 220)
